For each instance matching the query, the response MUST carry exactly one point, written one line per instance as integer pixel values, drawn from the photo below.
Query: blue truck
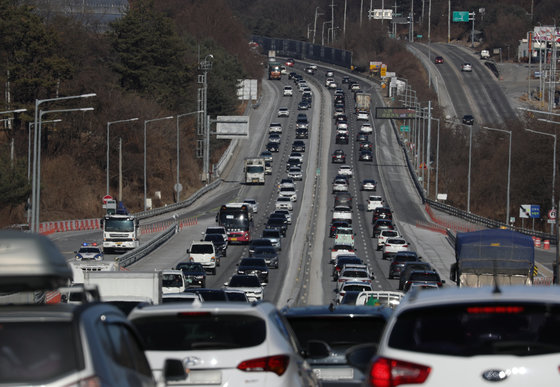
(488, 257)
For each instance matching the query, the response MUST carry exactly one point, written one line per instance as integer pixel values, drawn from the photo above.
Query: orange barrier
(537, 241)
(546, 244)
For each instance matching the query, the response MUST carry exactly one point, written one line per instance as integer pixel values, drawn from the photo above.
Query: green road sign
(405, 128)
(419, 36)
(460, 16)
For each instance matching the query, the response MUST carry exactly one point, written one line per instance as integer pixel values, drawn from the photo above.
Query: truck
(485, 54)
(275, 70)
(363, 102)
(493, 257)
(254, 170)
(121, 232)
(126, 286)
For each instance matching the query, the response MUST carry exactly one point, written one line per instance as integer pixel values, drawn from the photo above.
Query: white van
(172, 281)
(204, 253)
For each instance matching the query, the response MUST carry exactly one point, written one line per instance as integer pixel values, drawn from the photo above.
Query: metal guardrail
(140, 252)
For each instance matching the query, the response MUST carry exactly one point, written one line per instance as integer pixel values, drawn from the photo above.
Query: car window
(198, 331)
(171, 280)
(519, 329)
(126, 350)
(199, 248)
(245, 281)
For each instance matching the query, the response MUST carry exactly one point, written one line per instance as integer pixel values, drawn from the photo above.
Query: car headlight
(78, 257)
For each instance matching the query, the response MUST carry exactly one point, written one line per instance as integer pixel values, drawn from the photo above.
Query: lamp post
(509, 168)
(323, 33)
(145, 125)
(470, 157)
(437, 156)
(178, 187)
(35, 227)
(315, 22)
(108, 126)
(203, 119)
(37, 165)
(553, 161)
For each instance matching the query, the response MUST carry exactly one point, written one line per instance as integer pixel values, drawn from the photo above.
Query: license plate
(233, 238)
(334, 373)
(119, 243)
(204, 377)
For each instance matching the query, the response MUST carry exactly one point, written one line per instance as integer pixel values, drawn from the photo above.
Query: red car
(438, 60)
(290, 63)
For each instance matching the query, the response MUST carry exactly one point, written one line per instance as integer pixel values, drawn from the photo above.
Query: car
(302, 122)
(353, 273)
(329, 73)
(285, 213)
(341, 138)
(290, 62)
(345, 79)
(466, 67)
(302, 85)
(302, 133)
(335, 224)
(342, 213)
(365, 145)
(236, 296)
(298, 146)
(382, 213)
(258, 242)
(362, 116)
(340, 185)
(286, 182)
(333, 85)
(295, 173)
(309, 70)
(224, 343)
(352, 285)
(248, 283)
(438, 60)
(278, 223)
(361, 137)
(216, 230)
(304, 105)
(293, 75)
(89, 250)
(338, 156)
(382, 224)
(468, 119)
(342, 260)
(193, 272)
(220, 246)
(206, 294)
(275, 127)
(327, 332)
(339, 249)
(274, 138)
(344, 235)
(297, 155)
(267, 168)
(343, 199)
(288, 192)
(422, 278)
(355, 86)
(172, 281)
(283, 112)
(497, 330)
(274, 236)
(339, 111)
(384, 235)
(374, 202)
(365, 155)
(253, 204)
(273, 147)
(409, 267)
(266, 155)
(57, 344)
(368, 185)
(366, 128)
(399, 260)
(291, 163)
(255, 266)
(394, 245)
(345, 170)
(269, 254)
(204, 253)
(288, 91)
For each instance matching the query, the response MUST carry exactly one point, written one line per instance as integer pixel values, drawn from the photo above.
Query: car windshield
(363, 288)
(252, 262)
(513, 328)
(265, 250)
(214, 238)
(249, 281)
(89, 250)
(186, 331)
(424, 276)
(33, 352)
(271, 234)
(172, 281)
(199, 248)
(355, 274)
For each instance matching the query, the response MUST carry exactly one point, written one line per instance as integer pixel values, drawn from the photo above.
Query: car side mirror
(360, 355)
(226, 283)
(188, 251)
(75, 252)
(173, 370)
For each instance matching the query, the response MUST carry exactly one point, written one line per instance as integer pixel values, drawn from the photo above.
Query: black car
(298, 146)
(366, 155)
(423, 278)
(382, 213)
(336, 224)
(273, 147)
(346, 79)
(291, 163)
(339, 156)
(302, 133)
(382, 224)
(220, 245)
(258, 242)
(269, 254)
(409, 267)
(326, 333)
(256, 266)
(278, 224)
(362, 137)
(366, 145)
(341, 138)
(468, 119)
(399, 260)
(304, 105)
(194, 273)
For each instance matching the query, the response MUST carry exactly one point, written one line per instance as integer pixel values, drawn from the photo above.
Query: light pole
(145, 124)
(470, 157)
(108, 125)
(509, 168)
(203, 119)
(315, 23)
(437, 156)
(9, 126)
(35, 227)
(178, 187)
(323, 33)
(553, 160)
(37, 159)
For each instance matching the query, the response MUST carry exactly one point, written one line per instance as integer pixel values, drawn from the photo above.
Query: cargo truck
(254, 170)
(130, 286)
(489, 257)
(363, 102)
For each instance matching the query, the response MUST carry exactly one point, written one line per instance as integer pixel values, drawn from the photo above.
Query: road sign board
(524, 211)
(178, 187)
(106, 198)
(405, 128)
(552, 214)
(460, 16)
(535, 211)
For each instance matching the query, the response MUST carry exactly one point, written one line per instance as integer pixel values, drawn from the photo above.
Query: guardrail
(140, 252)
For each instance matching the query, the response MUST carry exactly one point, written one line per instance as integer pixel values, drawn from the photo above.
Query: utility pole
(344, 24)
(411, 39)
(429, 56)
(315, 23)
(332, 21)
(448, 21)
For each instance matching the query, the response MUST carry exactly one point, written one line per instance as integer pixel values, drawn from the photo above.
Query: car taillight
(338, 268)
(391, 373)
(277, 364)
(405, 245)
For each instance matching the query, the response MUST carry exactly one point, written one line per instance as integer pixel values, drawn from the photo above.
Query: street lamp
(323, 32)
(108, 125)
(178, 186)
(35, 227)
(145, 124)
(509, 169)
(37, 165)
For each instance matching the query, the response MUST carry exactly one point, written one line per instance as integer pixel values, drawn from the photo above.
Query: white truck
(485, 54)
(363, 102)
(120, 232)
(131, 286)
(254, 170)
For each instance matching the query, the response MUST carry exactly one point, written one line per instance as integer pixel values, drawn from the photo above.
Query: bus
(275, 71)
(237, 220)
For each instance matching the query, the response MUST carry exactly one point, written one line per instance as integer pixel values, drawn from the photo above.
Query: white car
(283, 112)
(173, 281)
(362, 116)
(288, 192)
(340, 185)
(297, 155)
(283, 203)
(89, 251)
(466, 67)
(344, 236)
(374, 202)
(341, 249)
(333, 85)
(490, 336)
(353, 286)
(288, 91)
(393, 245)
(384, 235)
(295, 173)
(223, 343)
(275, 127)
(328, 81)
(345, 170)
(349, 273)
(253, 204)
(205, 254)
(366, 128)
(286, 183)
(247, 283)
